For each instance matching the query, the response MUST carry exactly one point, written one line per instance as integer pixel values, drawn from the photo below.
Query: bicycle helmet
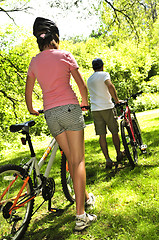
(43, 24)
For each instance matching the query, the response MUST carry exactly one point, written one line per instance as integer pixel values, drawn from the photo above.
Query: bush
(152, 86)
(148, 101)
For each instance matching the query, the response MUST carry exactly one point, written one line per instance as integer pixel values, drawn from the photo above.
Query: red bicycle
(130, 131)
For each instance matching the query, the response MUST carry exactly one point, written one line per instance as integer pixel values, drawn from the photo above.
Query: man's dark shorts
(105, 118)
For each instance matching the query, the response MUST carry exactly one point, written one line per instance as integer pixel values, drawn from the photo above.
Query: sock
(82, 215)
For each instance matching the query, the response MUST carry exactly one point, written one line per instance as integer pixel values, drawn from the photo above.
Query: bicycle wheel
(13, 225)
(129, 145)
(66, 181)
(137, 132)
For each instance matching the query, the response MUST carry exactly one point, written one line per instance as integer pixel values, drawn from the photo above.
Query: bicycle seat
(18, 127)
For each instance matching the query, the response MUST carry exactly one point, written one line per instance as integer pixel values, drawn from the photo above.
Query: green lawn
(127, 201)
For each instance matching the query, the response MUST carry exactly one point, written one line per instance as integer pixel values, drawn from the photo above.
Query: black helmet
(43, 24)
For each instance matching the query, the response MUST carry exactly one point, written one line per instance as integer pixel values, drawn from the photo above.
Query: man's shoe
(82, 223)
(121, 156)
(110, 163)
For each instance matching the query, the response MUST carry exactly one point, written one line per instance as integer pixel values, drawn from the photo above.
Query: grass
(127, 201)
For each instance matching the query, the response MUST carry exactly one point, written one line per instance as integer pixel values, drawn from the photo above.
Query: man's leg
(116, 142)
(103, 145)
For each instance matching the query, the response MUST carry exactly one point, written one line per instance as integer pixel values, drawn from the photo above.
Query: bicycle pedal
(143, 147)
(55, 210)
(144, 151)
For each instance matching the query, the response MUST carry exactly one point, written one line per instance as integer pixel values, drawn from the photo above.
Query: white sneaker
(83, 222)
(91, 201)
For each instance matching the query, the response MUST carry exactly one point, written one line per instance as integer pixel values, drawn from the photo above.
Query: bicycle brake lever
(41, 111)
(86, 107)
(120, 104)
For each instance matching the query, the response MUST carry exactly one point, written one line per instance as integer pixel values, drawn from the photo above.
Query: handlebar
(86, 107)
(126, 100)
(41, 111)
(136, 94)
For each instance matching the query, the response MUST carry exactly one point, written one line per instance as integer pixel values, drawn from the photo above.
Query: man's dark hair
(97, 63)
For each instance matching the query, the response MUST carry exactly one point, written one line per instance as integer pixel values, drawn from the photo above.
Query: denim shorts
(103, 119)
(64, 118)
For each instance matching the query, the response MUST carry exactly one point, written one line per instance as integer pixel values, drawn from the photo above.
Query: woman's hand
(34, 112)
(85, 107)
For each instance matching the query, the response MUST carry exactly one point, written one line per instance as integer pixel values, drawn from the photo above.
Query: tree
(13, 70)
(7, 7)
(128, 17)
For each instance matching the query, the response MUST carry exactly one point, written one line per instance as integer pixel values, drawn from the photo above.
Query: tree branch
(17, 71)
(11, 99)
(23, 8)
(128, 19)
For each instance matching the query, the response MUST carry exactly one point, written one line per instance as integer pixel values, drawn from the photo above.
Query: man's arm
(112, 90)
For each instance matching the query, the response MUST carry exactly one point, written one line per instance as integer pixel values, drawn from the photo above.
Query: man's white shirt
(99, 94)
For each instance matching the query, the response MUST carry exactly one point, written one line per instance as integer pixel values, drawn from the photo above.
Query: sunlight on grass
(89, 132)
(127, 200)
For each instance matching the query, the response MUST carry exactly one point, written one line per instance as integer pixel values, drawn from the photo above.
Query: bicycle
(130, 131)
(20, 184)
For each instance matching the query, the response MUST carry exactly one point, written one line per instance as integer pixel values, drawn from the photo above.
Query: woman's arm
(30, 81)
(81, 85)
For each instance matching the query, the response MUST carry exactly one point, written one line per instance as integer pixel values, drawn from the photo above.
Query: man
(102, 91)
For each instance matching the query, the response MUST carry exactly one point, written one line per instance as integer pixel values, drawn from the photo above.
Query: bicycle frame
(38, 165)
(128, 119)
(33, 164)
(126, 114)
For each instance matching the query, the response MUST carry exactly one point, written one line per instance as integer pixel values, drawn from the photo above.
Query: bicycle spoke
(14, 218)
(129, 145)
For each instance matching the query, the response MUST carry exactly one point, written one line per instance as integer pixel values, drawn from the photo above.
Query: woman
(52, 68)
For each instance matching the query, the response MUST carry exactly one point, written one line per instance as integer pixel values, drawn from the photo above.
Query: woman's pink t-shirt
(52, 69)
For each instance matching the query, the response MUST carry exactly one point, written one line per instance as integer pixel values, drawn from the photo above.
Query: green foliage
(152, 86)
(146, 102)
(128, 19)
(14, 64)
(128, 64)
(132, 68)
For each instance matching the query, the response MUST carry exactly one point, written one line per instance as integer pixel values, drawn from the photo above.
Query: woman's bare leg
(72, 143)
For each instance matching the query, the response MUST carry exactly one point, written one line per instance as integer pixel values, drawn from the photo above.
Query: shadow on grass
(95, 166)
(52, 226)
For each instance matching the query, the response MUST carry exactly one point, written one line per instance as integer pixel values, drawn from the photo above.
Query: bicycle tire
(66, 181)
(14, 225)
(137, 131)
(129, 145)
